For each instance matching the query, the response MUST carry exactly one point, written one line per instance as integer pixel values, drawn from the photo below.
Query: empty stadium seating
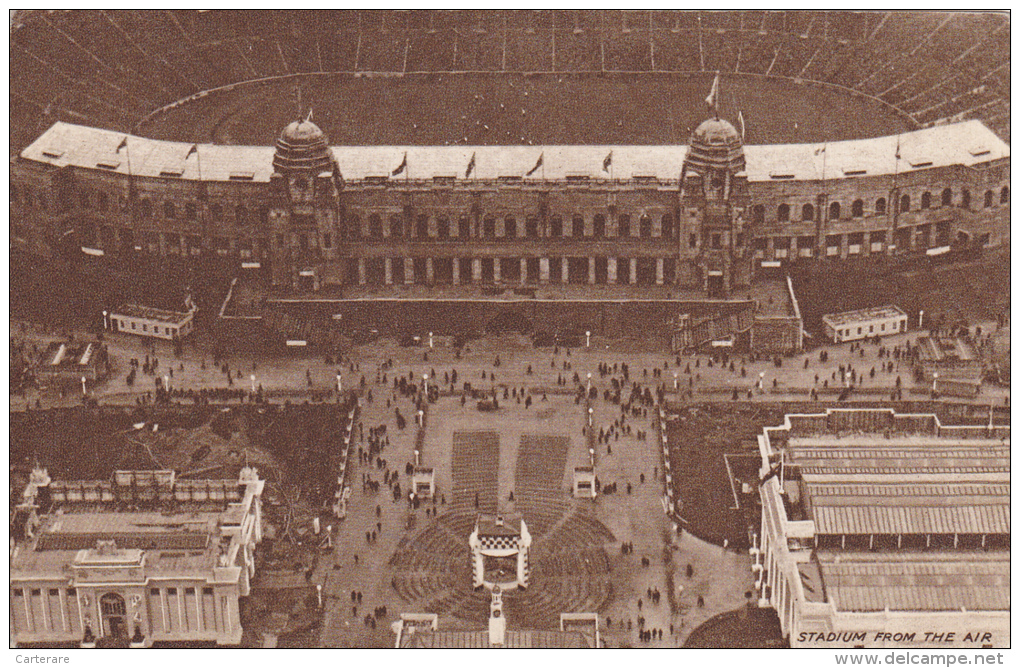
(540, 490)
(475, 464)
(570, 571)
(111, 68)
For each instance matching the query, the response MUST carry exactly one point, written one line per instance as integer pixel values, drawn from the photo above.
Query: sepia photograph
(521, 329)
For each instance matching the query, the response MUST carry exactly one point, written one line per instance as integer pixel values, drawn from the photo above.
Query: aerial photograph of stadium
(662, 329)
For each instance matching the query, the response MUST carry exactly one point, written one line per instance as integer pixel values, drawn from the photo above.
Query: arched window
(145, 209)
(264, 215)
(488, 227)
(667, 226)
(443, 227)
(104, 202)
(190, 212)
(834, 211)
(509, 228)
(169, 210)
(880, 206)
(905, 204)
(623, 225)
(240, 215)
(216, 211)
(947, 197)
(857, 208)
(807, 212)
(375, 226)
(396, 226)
(926, 200)
(1004, 195)
(965, 199)
(464, 227)
(556, 227)
(645, 227)
(758, 214)
(598, 226)
(577, 226)
(421, 228)
(783, 213)
(84, 199)
(989, 198)
(531, 227)
(353, 227)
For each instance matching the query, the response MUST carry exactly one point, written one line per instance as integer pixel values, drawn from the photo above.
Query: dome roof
(716, 132)
(302, 146)
(302, 132)
(715, 145)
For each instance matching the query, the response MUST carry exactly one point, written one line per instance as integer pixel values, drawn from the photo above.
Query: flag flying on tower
(191, 151)
(897, 147)
(819, 151)
(123, 144)
(403, 165)
(541, 157)
(608, 161)
(713, 96)
(470, 167)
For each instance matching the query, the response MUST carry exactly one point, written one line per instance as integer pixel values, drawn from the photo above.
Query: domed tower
(306, 211)
(714, 193)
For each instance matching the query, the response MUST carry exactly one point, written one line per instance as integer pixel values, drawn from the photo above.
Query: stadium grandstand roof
(968, 143)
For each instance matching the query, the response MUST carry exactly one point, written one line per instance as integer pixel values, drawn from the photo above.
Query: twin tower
(311, 243)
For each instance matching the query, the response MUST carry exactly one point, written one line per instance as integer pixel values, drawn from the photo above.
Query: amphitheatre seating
(475, 465)
(539, 487)
(112, 68)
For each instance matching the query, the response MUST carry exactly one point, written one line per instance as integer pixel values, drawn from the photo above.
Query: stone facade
(311, 217)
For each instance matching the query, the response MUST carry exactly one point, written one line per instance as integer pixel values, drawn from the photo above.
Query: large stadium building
(882, 529)
(539, 208)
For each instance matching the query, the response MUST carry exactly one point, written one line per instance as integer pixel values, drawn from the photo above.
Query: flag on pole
(191, 151)
(403, 165)
(123, 144)
(713, 96)
(743, 130)
(819, 151)
(308, 119)
(607, 162)
(470, 167)
(897, 147)
(541, 158)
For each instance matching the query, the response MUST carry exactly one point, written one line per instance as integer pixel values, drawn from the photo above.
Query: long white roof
(966, 143)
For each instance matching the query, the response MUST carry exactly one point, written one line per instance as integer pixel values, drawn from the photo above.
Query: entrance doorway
(114, 612)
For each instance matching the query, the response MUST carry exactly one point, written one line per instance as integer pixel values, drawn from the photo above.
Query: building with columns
(140, 559)
(700, 217)
(882, 529)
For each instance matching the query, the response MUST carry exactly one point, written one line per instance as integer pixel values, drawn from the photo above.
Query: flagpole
(896, 192)
(131, 186)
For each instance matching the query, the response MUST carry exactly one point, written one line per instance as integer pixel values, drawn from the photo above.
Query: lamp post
(253, 383)
(676, 382)
(587, 339)
(591, 415)
(934, 382)
(430, 339)
(761, 381)
(425, 382)
(339, 383)
(920, 319)
(106, 322)
(84, 391)
(589, 382)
